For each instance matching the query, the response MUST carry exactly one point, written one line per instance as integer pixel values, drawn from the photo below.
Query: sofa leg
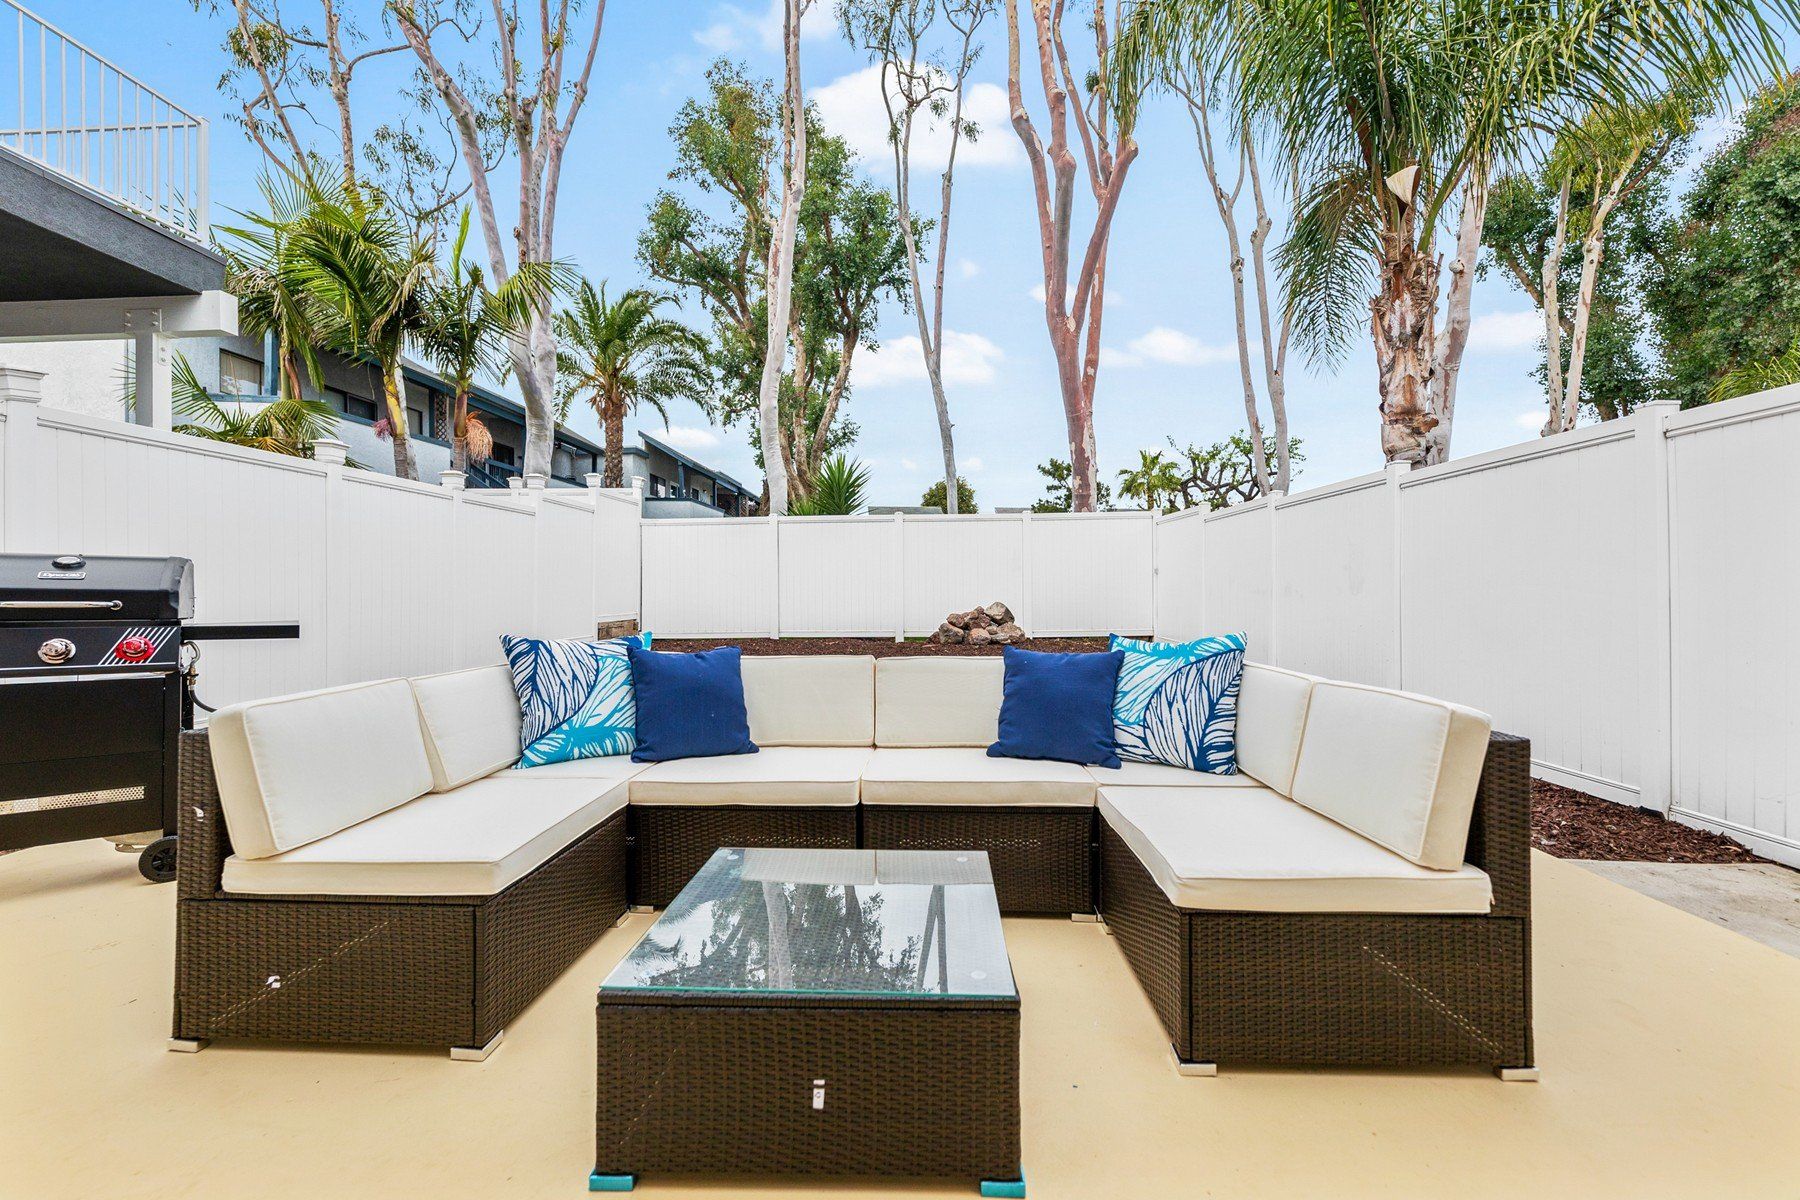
(1191, 1069)
(1085, 918)
(1517, 1074)
(641, 908)
(476, 1053)
(188, 1045)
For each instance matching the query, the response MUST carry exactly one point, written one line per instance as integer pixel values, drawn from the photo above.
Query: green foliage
(623, 353)
(965, 497)
(1726, 299)
(838, 491)
(288, 425)
(1154, 482)
(1057, 495)
(1217, 475)
(712, 242)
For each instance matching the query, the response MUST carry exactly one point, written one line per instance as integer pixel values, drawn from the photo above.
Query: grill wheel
(157, 862)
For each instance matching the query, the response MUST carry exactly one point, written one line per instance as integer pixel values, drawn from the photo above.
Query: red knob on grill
(134, 649)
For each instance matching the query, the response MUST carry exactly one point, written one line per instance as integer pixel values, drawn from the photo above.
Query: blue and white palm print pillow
(575, 698)
(1177, 702)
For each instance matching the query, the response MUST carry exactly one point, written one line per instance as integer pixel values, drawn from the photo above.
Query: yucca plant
(837, 492)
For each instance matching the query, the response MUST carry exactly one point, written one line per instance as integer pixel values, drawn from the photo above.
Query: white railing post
(1395, 473)
(1656, 687)
(899, 577)
(332, 454)
(203, 201)
(20, 393)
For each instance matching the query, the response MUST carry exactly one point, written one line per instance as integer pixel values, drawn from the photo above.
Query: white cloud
(968, 358)
(1531, 419)
(688, 437)
(1037, 292)
(1170, 347)
(972, 463)
(851, 108)
(969, 268)
(736, 26)
(1111, 356)
(907, 464)
(1505, 332)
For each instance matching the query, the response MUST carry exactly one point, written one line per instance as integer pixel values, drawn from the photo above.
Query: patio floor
(1670, 1052)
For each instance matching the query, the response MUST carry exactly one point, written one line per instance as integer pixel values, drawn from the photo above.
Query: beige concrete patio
(1670, 1051)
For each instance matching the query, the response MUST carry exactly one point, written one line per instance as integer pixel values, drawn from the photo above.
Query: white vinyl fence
(900, 576)
(385, 577)
(1622, 594)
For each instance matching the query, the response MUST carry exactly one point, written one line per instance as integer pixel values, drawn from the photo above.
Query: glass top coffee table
(815, 1012)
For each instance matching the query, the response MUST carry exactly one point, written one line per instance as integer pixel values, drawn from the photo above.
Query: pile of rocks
(990, 625)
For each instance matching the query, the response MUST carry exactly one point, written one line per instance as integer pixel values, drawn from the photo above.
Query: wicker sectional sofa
(362, 864)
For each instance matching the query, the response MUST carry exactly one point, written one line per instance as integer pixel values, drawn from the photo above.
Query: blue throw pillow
(575, 697)
(1058, 706)
(1177, 702)
(689, 705)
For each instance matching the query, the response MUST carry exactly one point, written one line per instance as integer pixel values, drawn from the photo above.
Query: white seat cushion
(1271, 718)
(810, 700)
(1251, 850)
(293, 769)
(1142, 774)
(611, 766)
(1399, 769)
(938, 701)
(473, 841)
(471, 723)
(796, 776)
(967, 776)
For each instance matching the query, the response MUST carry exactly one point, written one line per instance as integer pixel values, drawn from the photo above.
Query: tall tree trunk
(459, 431)
(1593, 247)
(1449, 345)
(779, 286)
(1552, 274)
(1403, 321)
(612, 417)
(393, 390)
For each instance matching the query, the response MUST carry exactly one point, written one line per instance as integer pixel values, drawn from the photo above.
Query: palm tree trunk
(459, 432)
(404, 466)
(1403, 320)
(612, 419)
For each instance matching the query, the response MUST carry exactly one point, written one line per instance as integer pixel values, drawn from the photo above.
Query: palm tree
(270, 299)
(620, 354)
(464, 326)
(1392, 114)
(1154, 478)
(287, 425)
(350, 256)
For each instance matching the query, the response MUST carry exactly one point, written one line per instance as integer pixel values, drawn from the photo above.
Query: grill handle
(111, 605)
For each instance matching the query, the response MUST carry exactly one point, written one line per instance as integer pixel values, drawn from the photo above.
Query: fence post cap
(20, 385)
(593, 479)
(536, 480)
(453, 479)
(331, 452)
(515, 484)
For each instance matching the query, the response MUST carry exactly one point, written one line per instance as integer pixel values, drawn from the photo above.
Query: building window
(415, 422)
(238, 375)
(350, 406)
(503, 454)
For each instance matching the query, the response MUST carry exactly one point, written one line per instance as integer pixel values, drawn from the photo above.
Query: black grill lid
(73, 587)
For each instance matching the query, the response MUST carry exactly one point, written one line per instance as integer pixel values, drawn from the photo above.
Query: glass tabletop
(895, 923)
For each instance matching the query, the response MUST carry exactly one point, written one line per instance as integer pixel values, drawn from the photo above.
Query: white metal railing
(71, 110)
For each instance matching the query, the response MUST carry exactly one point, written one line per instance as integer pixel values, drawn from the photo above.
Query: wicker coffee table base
(791, 1086)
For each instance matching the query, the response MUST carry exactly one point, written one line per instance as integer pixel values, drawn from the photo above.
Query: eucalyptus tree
(923, 82)
(1395, 114)
(1103, 113)
(620, 354)
(464, 324)
(492, 88)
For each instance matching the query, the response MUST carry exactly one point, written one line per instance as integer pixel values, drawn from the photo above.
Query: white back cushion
(1271, 715)
(1397, 768)
(938, 701)
(294, 769)
(471, 723)
(810, 700)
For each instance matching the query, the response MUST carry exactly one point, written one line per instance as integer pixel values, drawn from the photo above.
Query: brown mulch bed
(878, 647)
(1564, 822)
(1572, 824)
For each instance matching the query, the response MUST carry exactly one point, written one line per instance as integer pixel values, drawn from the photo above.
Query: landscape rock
(948, 634)
(980, 636)
(985, 625)
(1010, 633)
(957, 620)
(998, 613)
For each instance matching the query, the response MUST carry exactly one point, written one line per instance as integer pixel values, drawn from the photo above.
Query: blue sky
(1171, 365)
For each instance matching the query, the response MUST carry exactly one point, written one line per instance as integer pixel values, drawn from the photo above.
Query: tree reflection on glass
(825, 934)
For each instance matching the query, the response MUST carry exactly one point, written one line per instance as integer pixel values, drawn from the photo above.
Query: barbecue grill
(96, 675)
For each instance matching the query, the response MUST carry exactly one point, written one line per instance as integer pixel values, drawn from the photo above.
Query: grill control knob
(57, 651)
